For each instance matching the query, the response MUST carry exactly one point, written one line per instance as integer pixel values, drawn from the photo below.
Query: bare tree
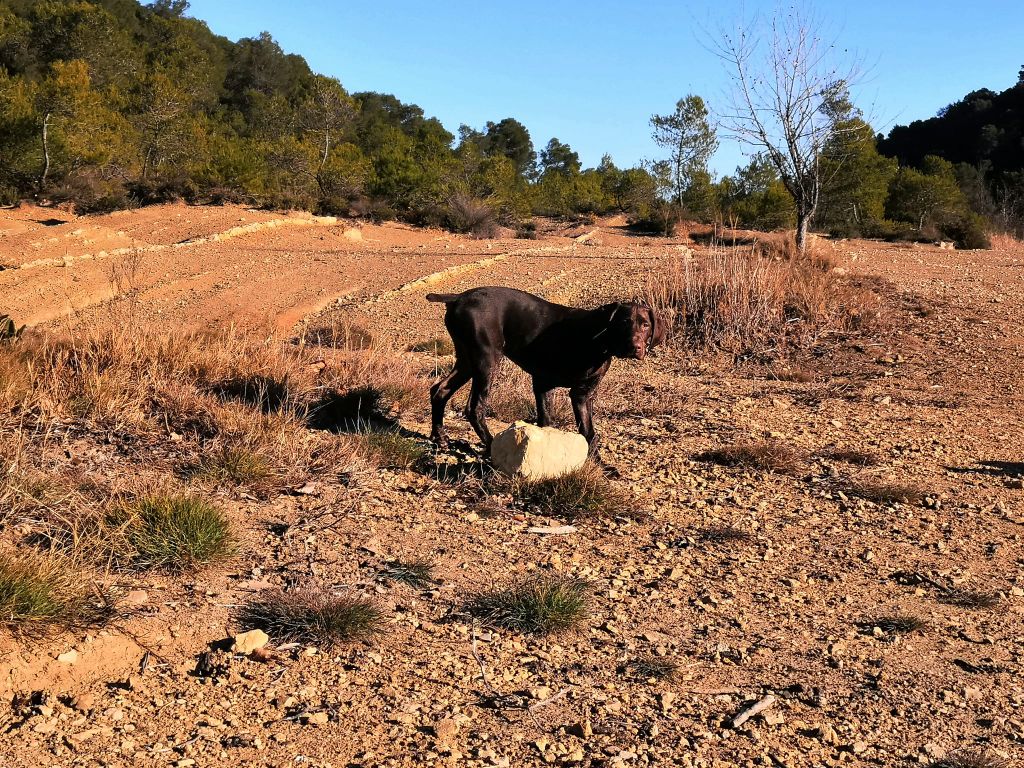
(327, 111)
(786, 81)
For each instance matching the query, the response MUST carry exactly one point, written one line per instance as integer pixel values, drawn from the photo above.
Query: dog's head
(634, 329)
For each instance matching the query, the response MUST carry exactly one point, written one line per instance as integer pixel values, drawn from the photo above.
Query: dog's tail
(445, 298)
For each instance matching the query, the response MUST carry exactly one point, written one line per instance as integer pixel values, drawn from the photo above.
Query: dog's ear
(659, 328)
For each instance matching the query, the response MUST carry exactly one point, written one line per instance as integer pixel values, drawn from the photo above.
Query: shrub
(40, 593)
(471, 215)
(169, 531)
(391, 449)
(313, 616)
(535, 606)
(655, 668)
(741, 301)
(884, 493)
(232, 465)
(969, 232)
(660, 218)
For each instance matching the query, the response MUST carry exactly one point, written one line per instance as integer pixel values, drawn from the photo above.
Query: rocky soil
(789, 614)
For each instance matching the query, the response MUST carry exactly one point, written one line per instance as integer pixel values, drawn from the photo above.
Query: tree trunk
(803, 220)
(46, 152)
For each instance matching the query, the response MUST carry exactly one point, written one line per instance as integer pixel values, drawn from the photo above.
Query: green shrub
(541, 605)
(313, 616)
(40, 593)
(169, 531)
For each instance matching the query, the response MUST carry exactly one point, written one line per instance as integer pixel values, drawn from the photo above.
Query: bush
(471, 215)
(661, 218)
(969, 232)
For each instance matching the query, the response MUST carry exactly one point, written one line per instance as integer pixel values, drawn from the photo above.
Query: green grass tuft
(537, 606)
(230, 465)
(391, 449)
(173, 532)
(415, 573)
(39, 594)
(586, 492)
(313, 616)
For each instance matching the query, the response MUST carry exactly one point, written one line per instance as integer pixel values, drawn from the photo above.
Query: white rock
(353, 234)
(537, 453)
(68, 657)
(247, 642)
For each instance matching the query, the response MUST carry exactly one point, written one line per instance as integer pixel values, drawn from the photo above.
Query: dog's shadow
(993, 468)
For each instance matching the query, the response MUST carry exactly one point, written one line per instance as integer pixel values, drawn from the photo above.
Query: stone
(247, 642)
(538, 453)
(84, 702)
(68, 657)
(315, 718)
(353, 234)
(445, 730)
(136, 597)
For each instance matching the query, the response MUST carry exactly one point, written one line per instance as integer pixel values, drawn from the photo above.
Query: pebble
(68, 657)
(247, 642)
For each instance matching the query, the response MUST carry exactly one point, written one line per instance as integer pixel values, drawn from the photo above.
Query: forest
(108, 104)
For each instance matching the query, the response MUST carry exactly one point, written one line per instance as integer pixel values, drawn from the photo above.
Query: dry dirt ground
(791, 611)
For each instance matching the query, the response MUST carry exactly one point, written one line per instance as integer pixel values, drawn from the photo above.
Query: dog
(559, 346)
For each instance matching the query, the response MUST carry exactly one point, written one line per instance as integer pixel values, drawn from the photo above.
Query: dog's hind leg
(440, 394)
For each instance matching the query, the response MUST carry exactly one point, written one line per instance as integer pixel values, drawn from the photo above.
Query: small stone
(247, 642)
(665, 699)
(68, 657)
(445, 730)
(858, 747)
(84, 702)
(315, 718)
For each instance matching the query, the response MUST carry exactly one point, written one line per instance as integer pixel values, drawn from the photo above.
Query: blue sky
(592, 73)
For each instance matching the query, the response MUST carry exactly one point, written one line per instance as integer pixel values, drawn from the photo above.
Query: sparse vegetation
(391, 448)
(655, 668)
(313, 616)
(584, 493)
(437, 346)
(766, 456)
(740, 301)
(897, 623)
(40, 593)
(971, 759)
(968, 598)
(169, 531)
(415, 573)
(231, 465)
(540, 605)
(881, 492)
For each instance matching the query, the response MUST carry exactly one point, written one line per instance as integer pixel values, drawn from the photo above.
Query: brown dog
(558, 346)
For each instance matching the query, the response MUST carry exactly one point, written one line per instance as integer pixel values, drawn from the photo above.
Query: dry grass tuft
(313, 616)
(438, 346)
(415, 573)
(232, 465)
(337, 335)
(897, 624)
(39, 594)
(739, 300)
(967, 598)
(885, 493)
(767, 456)
(971, 759)
(541, 605)
(584, 493)
(655, 668)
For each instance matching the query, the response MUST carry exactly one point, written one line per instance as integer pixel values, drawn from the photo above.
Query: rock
(84, 702)
(136, 597)
(356, 235)
(315, 718)
(445, 730)
(247, 642)
(537, 453)
(68, 657)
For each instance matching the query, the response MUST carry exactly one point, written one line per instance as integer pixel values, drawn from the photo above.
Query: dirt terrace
(788, 612)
